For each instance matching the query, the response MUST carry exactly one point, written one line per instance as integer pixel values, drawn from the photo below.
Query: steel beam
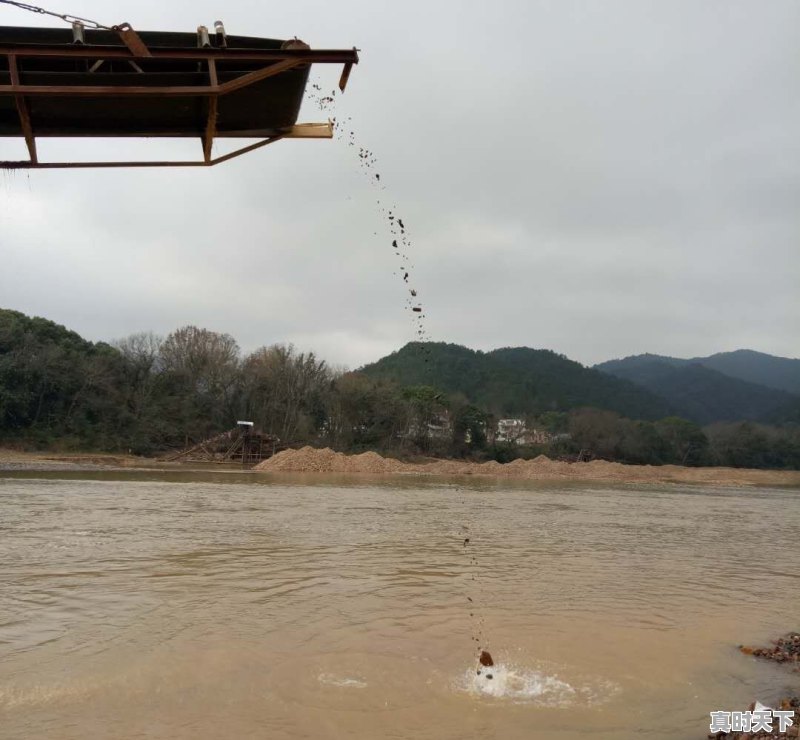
(211, 127)
(310, 131)
(213, 110)
(23, 111)
(299, 131)
(153, 91)
(132, 40)
(252, 77)
(99, 91)
(305, 56)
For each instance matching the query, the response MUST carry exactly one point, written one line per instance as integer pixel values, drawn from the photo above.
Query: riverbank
(312, 460)
(786, 651)
(19, 460)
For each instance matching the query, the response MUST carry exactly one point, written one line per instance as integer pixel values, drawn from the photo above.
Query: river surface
(146, 605)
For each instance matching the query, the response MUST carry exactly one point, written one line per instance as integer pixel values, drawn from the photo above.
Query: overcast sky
(597, 178)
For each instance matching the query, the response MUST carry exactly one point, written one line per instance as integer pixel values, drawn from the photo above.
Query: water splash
(525, 685)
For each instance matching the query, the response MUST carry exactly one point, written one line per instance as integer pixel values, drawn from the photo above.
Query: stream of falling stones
(398, 239)
(485, 662)
(400, 243)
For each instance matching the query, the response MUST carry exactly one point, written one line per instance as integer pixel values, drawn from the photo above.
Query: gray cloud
(601, 179)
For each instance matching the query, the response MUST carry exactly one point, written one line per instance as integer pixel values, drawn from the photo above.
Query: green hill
(53, 383)
(700, 393)
(516, 381)
(781, 373)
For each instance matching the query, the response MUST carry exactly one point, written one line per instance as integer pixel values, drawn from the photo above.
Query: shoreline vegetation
(148, 395)
(310, 460)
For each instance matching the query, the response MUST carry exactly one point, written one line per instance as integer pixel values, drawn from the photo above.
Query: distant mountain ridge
(781, 373)
(719, 387)
(516, 381)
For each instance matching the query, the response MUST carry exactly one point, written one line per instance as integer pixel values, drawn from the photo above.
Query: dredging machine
(89, 80)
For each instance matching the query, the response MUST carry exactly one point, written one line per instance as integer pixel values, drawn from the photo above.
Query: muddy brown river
(203, 605)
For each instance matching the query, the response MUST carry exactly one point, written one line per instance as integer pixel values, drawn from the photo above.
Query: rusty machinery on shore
(243, 444)
(110, 81)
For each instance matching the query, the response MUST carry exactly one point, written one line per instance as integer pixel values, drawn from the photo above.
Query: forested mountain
(702, 394)
(781, 373)
(516, 381)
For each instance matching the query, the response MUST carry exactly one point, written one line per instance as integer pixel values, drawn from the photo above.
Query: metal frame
(277, 61)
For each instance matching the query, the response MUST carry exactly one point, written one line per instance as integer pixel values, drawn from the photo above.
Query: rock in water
(485, 659)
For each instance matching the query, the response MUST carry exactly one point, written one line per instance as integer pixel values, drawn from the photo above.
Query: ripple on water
(344, 682)
(351, 681)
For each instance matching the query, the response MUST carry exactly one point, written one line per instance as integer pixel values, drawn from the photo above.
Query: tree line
(595, 433)
(148, 394)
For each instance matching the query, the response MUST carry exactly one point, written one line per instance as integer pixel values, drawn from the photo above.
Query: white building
(517, 432)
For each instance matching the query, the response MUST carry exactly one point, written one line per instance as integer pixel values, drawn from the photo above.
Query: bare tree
(142, 356)
(203, 366)
(284, 390)
(207, 359)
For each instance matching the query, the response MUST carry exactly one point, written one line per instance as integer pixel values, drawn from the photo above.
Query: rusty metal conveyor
(62, 82)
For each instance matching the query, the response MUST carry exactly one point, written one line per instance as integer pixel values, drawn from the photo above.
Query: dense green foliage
(516, 381)
(700, 393)
(747, 445)
(147, 394)
(55, 385)
(603, 434)
(781, 373)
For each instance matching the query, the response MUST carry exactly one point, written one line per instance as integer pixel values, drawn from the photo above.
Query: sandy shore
(17, 460)
(311, 460)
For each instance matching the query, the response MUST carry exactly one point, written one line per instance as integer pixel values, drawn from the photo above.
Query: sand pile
(312, 460)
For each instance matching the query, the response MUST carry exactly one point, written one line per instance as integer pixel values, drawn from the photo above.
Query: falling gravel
(398, 240)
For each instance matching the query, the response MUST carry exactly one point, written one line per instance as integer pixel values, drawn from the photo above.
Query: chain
(64, 17)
